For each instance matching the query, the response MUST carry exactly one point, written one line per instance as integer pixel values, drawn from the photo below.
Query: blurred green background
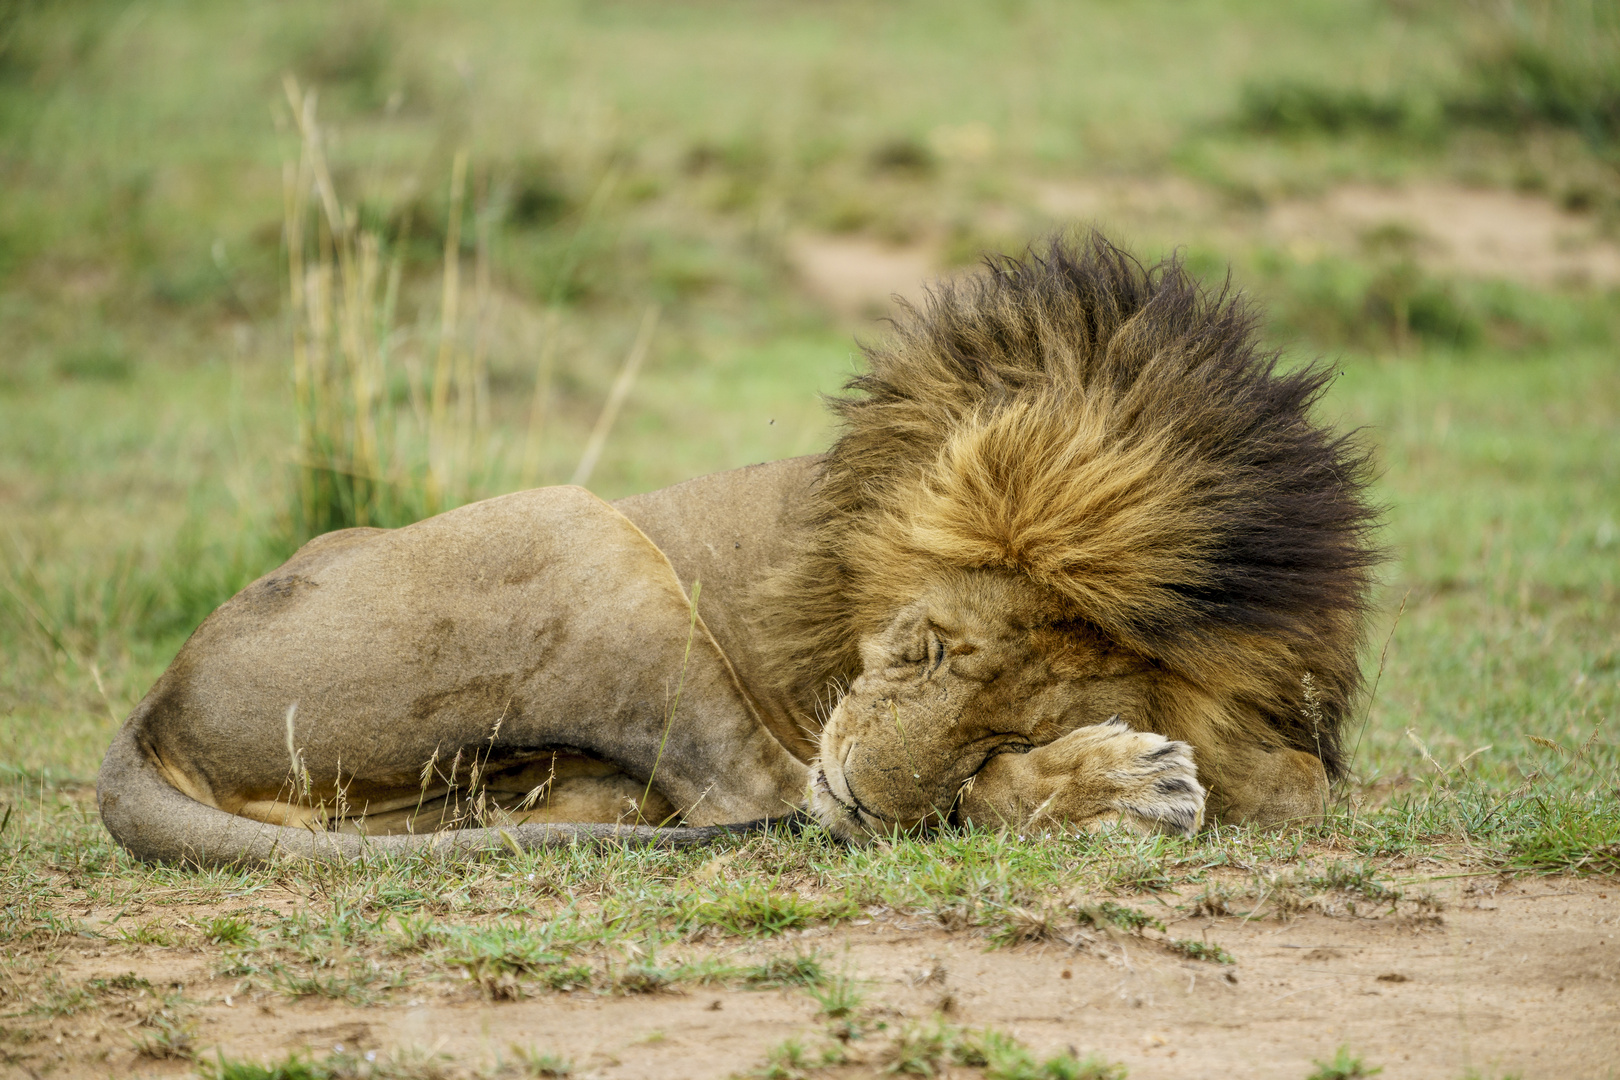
(203, 360)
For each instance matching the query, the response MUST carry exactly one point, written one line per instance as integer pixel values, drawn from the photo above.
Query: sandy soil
(859, 277)
(1519, 976)
(1170, 203)
(1469, 232)
(1448, 229)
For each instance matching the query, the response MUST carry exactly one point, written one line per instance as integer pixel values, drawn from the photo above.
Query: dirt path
(858, 277)
(1463, 231)
(1446, 228)
(1521, 977)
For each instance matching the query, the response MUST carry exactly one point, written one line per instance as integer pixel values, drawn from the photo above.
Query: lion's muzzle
(840, 816)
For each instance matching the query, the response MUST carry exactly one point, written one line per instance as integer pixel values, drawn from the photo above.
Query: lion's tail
(157, 823)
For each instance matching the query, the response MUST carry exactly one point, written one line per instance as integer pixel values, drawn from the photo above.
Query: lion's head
(1070, 488)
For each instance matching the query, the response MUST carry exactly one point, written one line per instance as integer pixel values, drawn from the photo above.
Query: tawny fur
(1118, 435)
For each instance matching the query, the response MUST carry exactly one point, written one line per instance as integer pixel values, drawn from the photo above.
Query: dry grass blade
(439, 447)
(359, 461)
(616, 396)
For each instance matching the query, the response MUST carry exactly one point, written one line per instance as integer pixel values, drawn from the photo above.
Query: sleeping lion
(1080, 557)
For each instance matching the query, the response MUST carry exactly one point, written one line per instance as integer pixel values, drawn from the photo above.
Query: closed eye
(936, 649)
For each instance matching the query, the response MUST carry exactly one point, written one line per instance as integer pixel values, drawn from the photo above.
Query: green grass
(838, 997)
(1523, 66)
(922, 1050)
(759, 910)
(1344, 1066)
(525, 1062)
(1109, 913)
(1201, 950)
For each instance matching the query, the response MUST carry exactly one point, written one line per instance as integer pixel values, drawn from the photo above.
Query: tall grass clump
(1552, 63)
(360, 458)
(1295, 107)
(1525, 64)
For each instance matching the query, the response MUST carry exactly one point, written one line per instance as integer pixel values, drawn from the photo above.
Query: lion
(1081, 557)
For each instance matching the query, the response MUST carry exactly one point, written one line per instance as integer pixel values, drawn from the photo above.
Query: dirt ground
(1510, 977)
(1449, 228)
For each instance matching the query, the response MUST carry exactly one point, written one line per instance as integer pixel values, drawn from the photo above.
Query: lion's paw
(1158, 783)
(1144, 782)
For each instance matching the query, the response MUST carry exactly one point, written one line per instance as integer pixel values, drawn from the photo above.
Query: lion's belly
(555, 787)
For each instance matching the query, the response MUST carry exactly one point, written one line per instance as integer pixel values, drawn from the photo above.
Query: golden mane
(1117, 435)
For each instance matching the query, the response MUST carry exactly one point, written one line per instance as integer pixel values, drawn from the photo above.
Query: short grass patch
(924, 1050)
(406, 1064)
(1344, 1065)
(1107, 913)
(759, 911)
(1200, 950)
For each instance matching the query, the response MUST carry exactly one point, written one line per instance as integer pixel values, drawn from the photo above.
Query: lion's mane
(1118, 435)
